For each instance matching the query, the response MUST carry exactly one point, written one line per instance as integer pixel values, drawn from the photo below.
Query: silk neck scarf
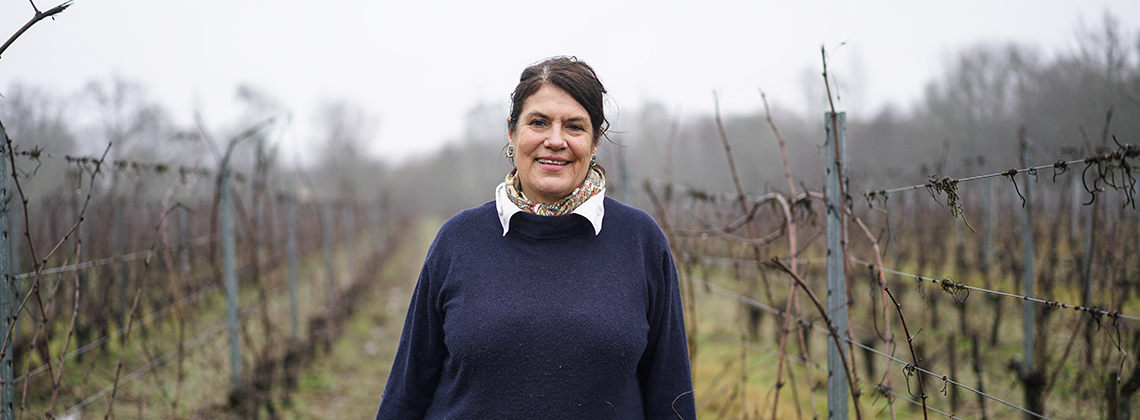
(590, 187)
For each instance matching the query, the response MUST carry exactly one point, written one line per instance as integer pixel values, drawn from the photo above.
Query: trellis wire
(145, 321)
(729, 260)
(1049, 303)
(202, 340)
(823, 330)
(199, 241)
(817, 366)
(1031, 169)
(940, 377)
(119, 165)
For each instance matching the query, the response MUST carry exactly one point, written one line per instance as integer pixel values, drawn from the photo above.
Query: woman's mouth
(552, 162)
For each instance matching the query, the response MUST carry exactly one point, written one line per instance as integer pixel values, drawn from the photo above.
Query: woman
(551, 301)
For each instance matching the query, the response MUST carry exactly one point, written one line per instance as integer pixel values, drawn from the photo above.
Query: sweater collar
(592, 209)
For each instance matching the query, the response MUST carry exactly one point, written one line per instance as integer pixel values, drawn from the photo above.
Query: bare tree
(128, 118)
(345, 131)
(36, 119)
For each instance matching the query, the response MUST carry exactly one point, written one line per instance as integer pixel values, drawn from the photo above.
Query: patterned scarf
(593, 183)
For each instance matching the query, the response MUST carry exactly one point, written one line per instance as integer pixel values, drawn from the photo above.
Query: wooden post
(1031, 376)
(1028, 313)
(952, 354)
(978, 372)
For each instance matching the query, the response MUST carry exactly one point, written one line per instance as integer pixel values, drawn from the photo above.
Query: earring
(510, 151)
(593, 160)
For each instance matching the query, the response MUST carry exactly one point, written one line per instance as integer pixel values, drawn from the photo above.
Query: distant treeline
(967, 119)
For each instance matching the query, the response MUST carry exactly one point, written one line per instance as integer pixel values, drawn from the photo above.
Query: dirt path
(348, 382)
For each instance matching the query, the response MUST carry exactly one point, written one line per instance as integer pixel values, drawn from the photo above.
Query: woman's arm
(664, 369)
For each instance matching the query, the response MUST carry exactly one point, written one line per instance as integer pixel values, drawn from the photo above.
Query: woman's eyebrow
(539, 114)
(533, 114)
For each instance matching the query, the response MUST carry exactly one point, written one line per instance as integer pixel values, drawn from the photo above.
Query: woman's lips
(552, 165)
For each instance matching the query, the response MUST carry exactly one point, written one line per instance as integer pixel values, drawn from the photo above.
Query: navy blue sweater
(550, 321)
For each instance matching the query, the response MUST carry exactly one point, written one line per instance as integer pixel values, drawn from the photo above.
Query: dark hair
(569, 74)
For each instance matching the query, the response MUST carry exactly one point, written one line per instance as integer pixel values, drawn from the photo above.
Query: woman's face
(553, 144)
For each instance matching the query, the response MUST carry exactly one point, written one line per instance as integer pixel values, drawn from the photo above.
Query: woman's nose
(555, 140)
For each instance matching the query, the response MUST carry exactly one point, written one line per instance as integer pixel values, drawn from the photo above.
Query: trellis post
(1029, 310)
(7, 288)
(230, 265)
(121, 249)
(349, 224)
(291, 261)
(374, 221)
(184, 243)
(329, 232)
(836, 157)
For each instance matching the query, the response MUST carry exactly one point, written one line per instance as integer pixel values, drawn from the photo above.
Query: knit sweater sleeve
(664, 369)
(420, 356)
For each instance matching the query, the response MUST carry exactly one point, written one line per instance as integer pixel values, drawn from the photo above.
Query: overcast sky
(419, 66)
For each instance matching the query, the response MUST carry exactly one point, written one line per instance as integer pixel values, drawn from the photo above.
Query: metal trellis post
(184, 243)
(15, 220)
(121, 249)
(230, 261)
(330, 293)
(837, 390)
(1029, 315)
(350, 235)
(374, 220)
(7, 288)
(291, 259)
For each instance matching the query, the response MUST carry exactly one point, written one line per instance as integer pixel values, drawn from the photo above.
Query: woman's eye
(575, 127)
(538, 123)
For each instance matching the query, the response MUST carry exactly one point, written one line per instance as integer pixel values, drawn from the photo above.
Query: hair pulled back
(569, 74)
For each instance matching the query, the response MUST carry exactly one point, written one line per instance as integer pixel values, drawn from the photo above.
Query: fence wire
(817, 328)
(952, 286)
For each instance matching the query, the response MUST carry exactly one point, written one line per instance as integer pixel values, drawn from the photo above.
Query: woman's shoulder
(626, 213)
(631, 220)
(471, 220)
(463, 227)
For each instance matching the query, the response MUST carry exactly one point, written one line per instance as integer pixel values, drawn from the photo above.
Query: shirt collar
(593, 209)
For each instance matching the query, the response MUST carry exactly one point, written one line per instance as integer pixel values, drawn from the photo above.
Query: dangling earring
(510, 151)
(593, 160)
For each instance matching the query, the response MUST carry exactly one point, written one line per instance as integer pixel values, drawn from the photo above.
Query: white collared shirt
(593, 209)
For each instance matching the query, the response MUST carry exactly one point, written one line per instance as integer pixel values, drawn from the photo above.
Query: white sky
(419, 66)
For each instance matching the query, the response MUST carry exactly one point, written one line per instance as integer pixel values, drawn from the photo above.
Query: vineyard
(976, 258)
(121, 286)
(975, 297)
